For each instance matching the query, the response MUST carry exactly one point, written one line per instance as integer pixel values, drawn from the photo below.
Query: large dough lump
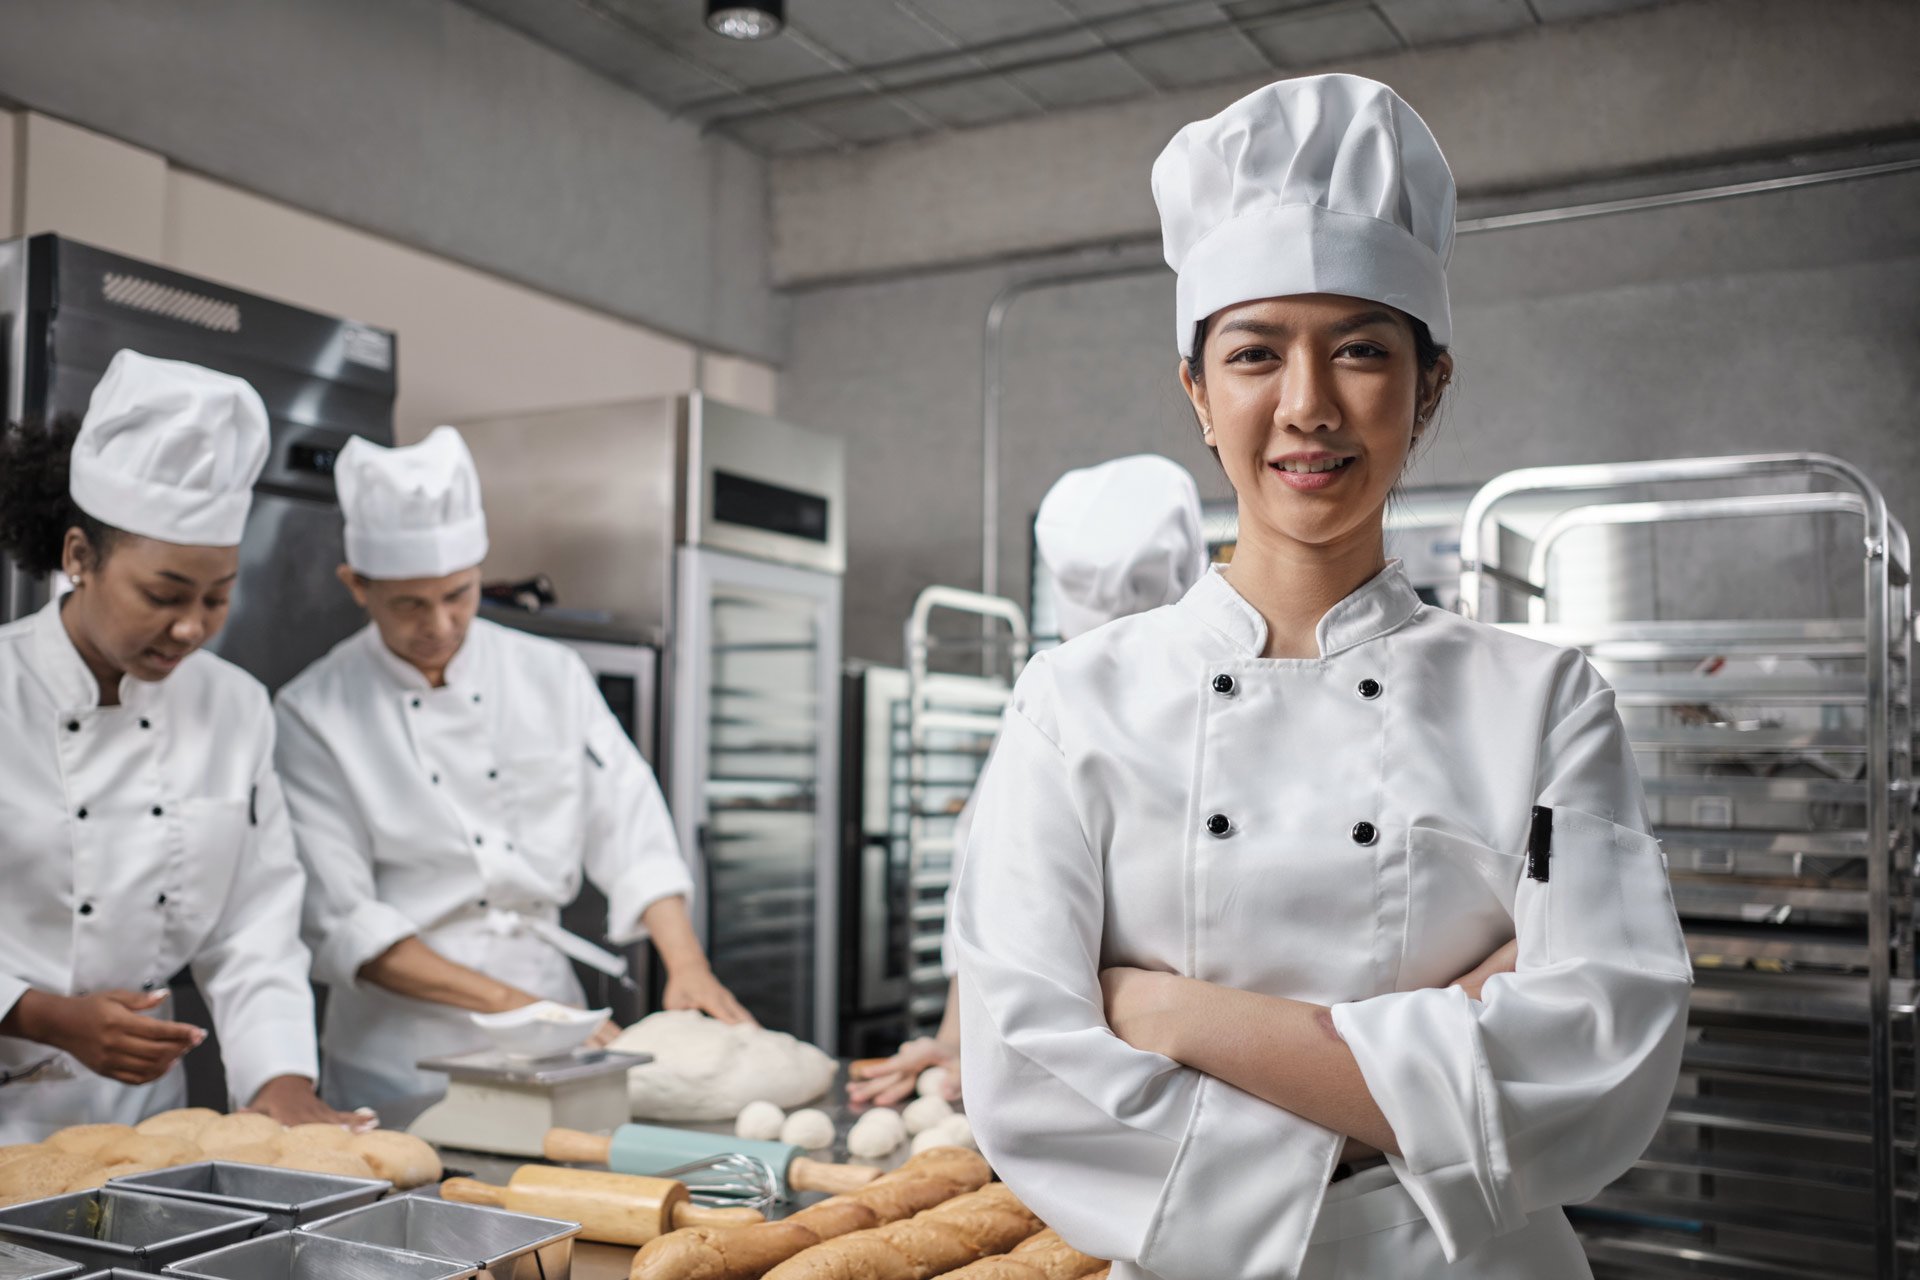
(704, 1070)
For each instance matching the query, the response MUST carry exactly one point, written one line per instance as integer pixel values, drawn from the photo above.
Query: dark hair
(36, 510)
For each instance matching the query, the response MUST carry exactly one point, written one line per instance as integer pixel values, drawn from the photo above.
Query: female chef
(1231, 853)
(451, 780)
(141, 826)
(1117, 539)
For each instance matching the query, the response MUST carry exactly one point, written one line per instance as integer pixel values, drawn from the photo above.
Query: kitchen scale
(503, 1104)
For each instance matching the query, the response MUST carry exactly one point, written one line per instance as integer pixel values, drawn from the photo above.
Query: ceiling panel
(1083, 82)
(1204, 58)
(974, 102)
(1323, 38)
(864, 120)
(976, 21)
(1568, 10)
(778, 135)
(1441, 21)
(866, 34)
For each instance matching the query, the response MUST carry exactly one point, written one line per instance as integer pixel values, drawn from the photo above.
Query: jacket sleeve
(1552, 1085)
(1128, 1154)
(254, 969)
(344, 920)
(632, 853)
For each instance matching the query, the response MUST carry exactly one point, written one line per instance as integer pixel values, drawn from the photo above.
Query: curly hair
(36, 509)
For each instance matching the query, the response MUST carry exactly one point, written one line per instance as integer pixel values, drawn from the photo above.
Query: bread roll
(1041, 1257)
(148, 1149)
(249, 1153)
(400, 1158)
(100, 1174)
(88, 1139)
(244, 1129)
(343, 1163)
(940, 1240)
(9, 1154)
(747, 1253)
(316, 1137)
(184, 1123)
(42, 1173)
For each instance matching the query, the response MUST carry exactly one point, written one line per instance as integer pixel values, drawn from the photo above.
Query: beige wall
(9, 216)
(470, 344)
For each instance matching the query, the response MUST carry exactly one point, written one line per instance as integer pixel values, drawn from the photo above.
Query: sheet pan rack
(952, 719)
(1778, 757)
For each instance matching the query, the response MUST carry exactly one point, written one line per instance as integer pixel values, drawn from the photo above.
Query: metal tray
(288, 1197)
(20, 1263)
(301, 1255)
(505, 1246)
(108, 1227)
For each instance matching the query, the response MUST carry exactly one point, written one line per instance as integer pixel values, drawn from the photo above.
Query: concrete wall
(1653, 89)
(425, 123)
(1783, 321)
(471, 344)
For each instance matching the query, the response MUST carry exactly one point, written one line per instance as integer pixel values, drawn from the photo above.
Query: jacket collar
(462, 673)
(66, 673)
(1381, 604)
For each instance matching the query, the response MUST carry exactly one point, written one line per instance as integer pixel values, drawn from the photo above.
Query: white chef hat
(1324, 184)
(412, 512)
(169, 450)
(1120, 538)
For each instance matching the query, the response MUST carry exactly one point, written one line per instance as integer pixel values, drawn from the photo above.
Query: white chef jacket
(1374, 805)
(466, 815)
(135, 840)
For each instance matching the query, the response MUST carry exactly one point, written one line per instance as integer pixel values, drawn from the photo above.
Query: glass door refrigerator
(720, 535)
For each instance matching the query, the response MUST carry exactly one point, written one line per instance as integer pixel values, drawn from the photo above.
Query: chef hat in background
(170, 450)
(1119, 539)
(1324, 184)
(412, 512)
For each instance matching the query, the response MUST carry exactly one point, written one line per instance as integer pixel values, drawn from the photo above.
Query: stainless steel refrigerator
(719, 536)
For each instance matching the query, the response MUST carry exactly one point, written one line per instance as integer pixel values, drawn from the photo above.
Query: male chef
(450, 780)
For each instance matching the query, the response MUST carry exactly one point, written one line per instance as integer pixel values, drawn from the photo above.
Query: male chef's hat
(1324, 184)
(1119, 539)
(412, 512)
(169, 450)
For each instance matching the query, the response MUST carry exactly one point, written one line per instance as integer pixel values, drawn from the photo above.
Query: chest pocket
(1606, 897)
(216, 835)
(1460, 905)
(547, 792)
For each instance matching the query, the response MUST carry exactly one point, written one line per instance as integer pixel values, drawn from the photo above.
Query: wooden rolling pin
(615, 1208)
(651, 1149)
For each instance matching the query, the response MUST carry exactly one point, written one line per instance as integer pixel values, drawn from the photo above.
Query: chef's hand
(887, 1081)
(691, 988)
(291, 1101)
(1143, 1007)
(1501, 961)
(604, 1035)
(108, 1031)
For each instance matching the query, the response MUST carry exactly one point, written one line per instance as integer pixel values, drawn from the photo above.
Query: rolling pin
(650, 1149)
(614, 1208)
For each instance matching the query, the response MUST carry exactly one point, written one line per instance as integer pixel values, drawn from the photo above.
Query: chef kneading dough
(924, 1113)
(759, 1121)
(877, 1134)
(704, 1070)
(812, 1129)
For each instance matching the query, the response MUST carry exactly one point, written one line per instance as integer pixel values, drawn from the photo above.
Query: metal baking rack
(951, 720)
(1778, 759)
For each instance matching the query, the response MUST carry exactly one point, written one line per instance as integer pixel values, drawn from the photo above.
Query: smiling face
(144, 605)
(1314, 403)
(423, 620)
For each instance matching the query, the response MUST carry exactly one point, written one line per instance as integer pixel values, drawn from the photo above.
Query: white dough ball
(954, 1131)
(812, 1129)
(933, 1082)
(877, 1134)
(759, 1121)
(924, 1113)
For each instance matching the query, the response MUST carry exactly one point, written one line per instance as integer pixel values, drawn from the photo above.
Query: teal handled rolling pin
(651, 1150)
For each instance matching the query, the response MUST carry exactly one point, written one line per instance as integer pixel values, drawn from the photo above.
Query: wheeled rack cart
(1778, 758)
(952, 719)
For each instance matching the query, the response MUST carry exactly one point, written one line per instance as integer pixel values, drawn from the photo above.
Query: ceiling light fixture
(756, 21)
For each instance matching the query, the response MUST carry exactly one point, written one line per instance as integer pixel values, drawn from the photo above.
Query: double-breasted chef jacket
(136, 840)
(1349, 830)
(465, 815)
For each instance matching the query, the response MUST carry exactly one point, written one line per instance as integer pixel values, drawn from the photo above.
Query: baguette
(932, 1243)
(1042, 1257)
(747, 1253)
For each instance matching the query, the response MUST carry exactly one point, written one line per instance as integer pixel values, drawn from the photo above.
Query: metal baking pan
(301, 1255)
(20, 1263)
(108, 1227)
(505, 1246)
(288, 1197)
